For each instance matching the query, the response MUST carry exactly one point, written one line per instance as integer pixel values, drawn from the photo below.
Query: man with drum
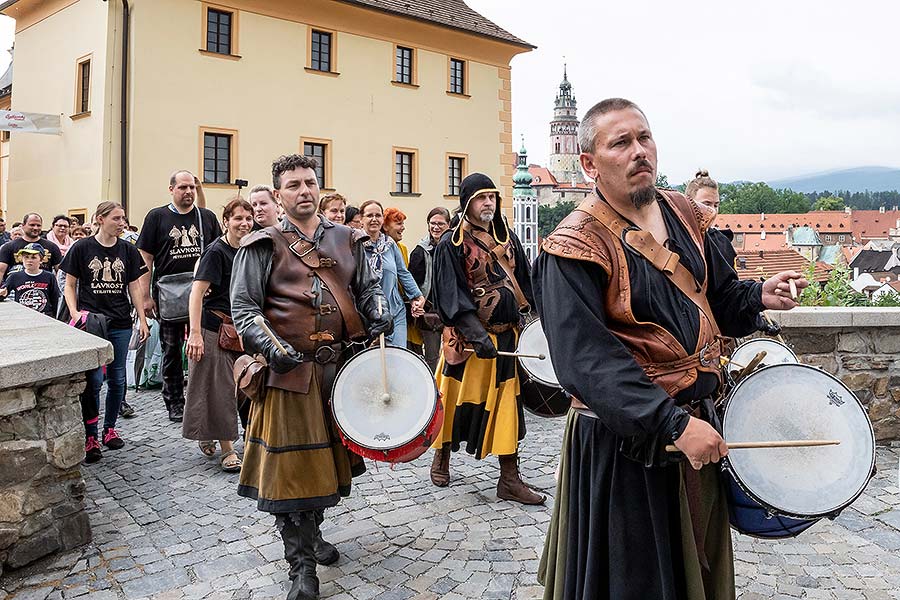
(300, 290)
(632, 298)
(482, 290)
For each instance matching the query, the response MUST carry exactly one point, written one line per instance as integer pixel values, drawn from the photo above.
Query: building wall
(52, 174)
(271, 101)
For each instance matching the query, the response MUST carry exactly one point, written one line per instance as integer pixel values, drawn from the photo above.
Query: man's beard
(486, 217)
(642, 197)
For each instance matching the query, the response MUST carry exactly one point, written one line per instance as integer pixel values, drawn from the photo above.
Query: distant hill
(860, 179)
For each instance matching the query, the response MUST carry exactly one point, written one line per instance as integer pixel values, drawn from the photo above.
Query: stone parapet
(42, 367)
(860, 346)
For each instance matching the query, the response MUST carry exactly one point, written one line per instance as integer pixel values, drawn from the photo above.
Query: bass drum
(776, 353)
(780, 492)
(394, 429)
(539, 388)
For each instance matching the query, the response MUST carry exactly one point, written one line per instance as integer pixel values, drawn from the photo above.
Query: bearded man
(482, 290)
(310, 281)
(633, 298)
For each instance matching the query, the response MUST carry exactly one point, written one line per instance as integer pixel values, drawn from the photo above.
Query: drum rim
(437, 399)
(726, 463)
(522, 364)
(765, 339)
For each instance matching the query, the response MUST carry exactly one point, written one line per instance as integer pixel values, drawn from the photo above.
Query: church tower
(564, 149)
(525, 207)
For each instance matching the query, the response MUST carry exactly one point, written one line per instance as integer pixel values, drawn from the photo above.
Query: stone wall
(41, 434)
(860, 346)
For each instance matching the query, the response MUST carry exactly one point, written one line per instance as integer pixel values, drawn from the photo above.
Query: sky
(747, 90)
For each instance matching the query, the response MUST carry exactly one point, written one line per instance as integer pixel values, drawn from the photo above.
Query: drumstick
(386, 397)
(727, 361)
(258, 319)
(793, 288)
(516, 354)
(769, 320)
(776, 444)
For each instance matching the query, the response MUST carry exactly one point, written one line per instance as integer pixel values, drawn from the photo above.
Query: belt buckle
(322, 351)
(704, 361)
(327, 309)
(625, 243)
(479, 292)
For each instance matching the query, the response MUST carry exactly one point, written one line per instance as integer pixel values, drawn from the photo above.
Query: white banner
(11, 120)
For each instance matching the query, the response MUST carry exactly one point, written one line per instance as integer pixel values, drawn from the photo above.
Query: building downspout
(126, 18)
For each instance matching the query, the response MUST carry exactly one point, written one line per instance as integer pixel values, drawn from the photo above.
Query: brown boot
(440, 467)
(511, 486)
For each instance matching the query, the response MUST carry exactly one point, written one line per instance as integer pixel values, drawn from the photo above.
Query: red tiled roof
(873, 224)
(895, 285)
(825, 221)
(542, 176)
(766, 263)
(754, 241)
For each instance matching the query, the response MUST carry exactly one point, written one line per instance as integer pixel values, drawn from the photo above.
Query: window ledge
(451, 196)
(318, 72)
(405, 194)
(457, 94)
(219, 54)
(80, 115)
(414, 86)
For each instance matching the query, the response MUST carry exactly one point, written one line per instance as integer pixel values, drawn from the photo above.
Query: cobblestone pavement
(168, 524)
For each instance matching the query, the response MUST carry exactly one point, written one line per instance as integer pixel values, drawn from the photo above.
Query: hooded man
(482, 290)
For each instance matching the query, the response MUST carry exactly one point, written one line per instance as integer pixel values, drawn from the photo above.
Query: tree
(550, 216)
(748, 198)
(662, 181)
(829, 203)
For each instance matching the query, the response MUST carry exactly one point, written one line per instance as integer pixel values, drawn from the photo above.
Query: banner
(11, 120)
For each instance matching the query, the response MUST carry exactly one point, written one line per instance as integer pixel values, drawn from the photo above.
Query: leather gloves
(256, 341)
(383, 324)
(282, 363)
(484, 348)
(473, 332)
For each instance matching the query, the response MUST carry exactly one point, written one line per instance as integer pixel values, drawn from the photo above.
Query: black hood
(471, 186)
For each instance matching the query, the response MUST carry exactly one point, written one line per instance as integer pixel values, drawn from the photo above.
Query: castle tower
(564, 148)
(525, 207)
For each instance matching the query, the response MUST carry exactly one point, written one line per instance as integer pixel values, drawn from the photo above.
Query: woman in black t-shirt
(102, 271)
(210, 411)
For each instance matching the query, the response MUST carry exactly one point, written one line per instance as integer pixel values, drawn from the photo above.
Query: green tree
(836, 291)
(889, 299)
(829, 203)
(662, 181)
(550, 216)
(748, 198)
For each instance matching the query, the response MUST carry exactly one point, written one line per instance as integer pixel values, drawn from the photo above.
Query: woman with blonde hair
(333, 206)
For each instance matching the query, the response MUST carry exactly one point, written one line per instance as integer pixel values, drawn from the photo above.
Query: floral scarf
(375, 251)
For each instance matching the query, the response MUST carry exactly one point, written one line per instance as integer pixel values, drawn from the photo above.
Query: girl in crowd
(420, 266)
(386, 261)
(210, 411)
(266, 210)
(333, 206)
(352, 217)
(102, 278)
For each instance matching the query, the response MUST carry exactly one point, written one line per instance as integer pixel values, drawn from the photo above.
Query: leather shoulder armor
(579, 236)
(256, 236)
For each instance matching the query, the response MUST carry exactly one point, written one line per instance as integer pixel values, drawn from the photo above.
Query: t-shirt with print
(103, 277)
(38, 292)
(9, 249)
(215, 267)
(174, 238)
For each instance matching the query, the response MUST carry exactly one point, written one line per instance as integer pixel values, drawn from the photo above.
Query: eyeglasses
(439, 224)
(61, 226)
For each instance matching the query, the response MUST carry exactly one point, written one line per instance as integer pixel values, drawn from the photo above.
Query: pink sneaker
(92, 451)
(112, 440)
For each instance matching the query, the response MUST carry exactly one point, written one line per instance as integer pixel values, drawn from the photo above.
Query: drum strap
(661, 258)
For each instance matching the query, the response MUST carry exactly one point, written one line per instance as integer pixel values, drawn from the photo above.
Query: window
(403, 171)
(404, 67)
(218, 31)
(83, 86)
(557, 147)
(827, 238)
(739, 238)
(217, 153)
(4, 136)
(841, 238)
(320, 51)
(457, 76)
(456, 170)
(319, 152)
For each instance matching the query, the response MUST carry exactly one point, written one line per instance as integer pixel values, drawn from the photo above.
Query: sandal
(233, 465)
(208, 448)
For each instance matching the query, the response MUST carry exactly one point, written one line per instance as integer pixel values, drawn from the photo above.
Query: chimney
(762, 234)
(762, 216)
(855, 273)
(847, 210)
(742, 262)
(881, 210)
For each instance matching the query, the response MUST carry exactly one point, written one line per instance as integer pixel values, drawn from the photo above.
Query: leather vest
(298, 304)
(484, 274)
(582, 237)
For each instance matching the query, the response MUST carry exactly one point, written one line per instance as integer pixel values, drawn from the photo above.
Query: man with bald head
(32, 225)
(171, 240)
(633, 298)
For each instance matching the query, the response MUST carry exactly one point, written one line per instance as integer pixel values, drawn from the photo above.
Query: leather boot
(511, 487)
(298, 530)
(440, 467)
(292, 553)
(325, 552)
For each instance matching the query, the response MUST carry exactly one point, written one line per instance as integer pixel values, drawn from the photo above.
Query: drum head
(533, 341)
(799, 402)
(776, 353)
(360, 409)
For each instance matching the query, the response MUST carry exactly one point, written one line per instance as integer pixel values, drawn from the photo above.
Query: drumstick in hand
(516, 354)
(258, 319)
(386, 397)
(776, 444)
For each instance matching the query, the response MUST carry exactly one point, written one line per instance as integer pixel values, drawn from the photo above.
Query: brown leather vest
(298, 304)
(484, 275)
(582, 237)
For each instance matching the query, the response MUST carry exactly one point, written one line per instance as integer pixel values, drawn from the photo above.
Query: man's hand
(3, 292)
(143, 331)
(150, 307)
(417, 306)
(485, 349)
(701, 444)
(776, 291)
(383, 324)
(282, 363)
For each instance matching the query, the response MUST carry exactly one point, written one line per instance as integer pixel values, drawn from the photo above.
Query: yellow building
(401, 99)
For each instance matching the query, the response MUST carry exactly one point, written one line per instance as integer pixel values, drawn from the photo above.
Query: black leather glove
(484, 348)
(282, 363)
(772, 328)
(383, 324)
(474, 333)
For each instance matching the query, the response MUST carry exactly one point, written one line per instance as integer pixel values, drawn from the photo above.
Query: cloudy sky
(749, 90)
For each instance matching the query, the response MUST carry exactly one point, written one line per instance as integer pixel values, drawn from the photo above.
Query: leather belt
(581, 408)
(322, 355)
(499, 327)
